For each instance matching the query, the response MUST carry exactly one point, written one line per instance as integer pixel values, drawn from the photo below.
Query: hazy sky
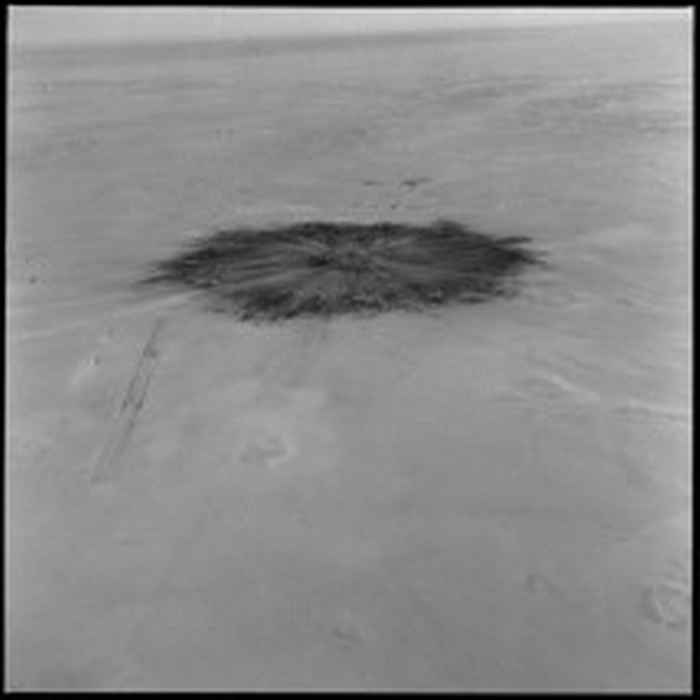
(61, 24)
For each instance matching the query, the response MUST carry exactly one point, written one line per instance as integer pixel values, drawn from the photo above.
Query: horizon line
(508, 19)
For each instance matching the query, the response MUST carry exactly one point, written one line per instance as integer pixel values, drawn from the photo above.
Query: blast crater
(328, 268)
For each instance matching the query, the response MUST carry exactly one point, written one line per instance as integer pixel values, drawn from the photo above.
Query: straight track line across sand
(108, 463)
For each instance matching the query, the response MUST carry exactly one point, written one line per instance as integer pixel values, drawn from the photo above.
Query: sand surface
(489, 497)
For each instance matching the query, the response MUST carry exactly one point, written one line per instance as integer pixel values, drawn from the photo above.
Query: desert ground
(486, 497)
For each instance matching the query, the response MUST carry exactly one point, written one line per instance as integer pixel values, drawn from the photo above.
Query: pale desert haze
(461, 496)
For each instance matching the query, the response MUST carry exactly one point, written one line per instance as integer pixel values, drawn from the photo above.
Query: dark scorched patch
(326, 268)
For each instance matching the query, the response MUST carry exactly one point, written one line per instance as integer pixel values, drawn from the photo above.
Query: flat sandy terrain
(488, 497)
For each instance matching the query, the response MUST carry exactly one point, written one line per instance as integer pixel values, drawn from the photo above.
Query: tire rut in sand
(108, 464)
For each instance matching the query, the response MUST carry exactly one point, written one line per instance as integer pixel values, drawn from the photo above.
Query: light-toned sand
(491, 497)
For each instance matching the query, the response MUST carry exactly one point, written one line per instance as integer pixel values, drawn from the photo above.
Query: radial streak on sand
(174, 300)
